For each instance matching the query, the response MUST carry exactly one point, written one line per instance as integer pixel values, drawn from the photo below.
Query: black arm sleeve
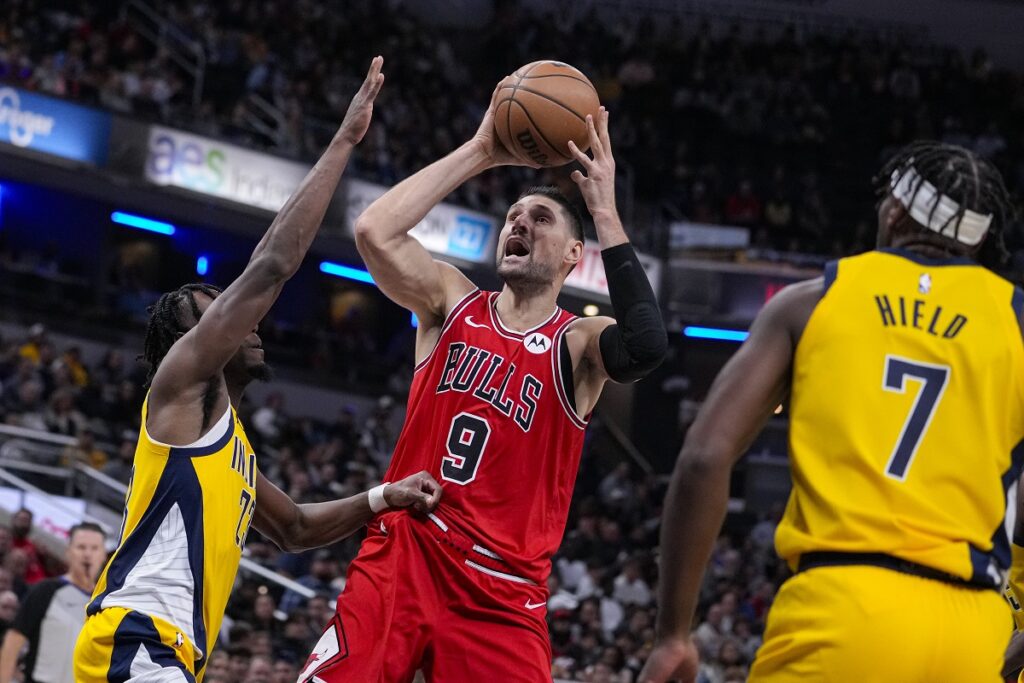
(638, 342)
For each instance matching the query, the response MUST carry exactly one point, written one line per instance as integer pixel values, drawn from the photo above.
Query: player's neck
(521, 310)
(235, 392)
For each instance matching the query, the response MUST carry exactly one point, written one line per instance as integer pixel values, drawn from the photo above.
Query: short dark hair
(166, 322)
(556, 195)
(968, 179)
(86, 526)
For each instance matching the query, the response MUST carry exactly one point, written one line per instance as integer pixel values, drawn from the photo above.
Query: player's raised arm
(741, 400)
(204, 350)
(400, 265)
(296, 527)
(626, 348)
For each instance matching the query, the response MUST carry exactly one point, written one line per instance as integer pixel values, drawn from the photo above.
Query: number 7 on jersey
(933, 380)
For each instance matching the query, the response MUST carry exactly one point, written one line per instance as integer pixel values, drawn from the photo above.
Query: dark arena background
(146, 144)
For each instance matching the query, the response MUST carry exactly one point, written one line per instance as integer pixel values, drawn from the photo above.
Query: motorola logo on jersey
(493, 380)
(537, 343)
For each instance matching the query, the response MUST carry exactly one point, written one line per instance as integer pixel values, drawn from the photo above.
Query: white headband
(936, 211)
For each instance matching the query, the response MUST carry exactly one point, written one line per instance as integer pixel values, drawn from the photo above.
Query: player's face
(536, 243)
(248, 362)
(86, 553)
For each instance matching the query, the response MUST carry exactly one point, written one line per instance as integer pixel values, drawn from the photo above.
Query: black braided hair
(969, 180)
(166, 322)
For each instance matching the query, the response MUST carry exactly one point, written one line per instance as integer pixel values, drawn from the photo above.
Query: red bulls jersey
(490, 417)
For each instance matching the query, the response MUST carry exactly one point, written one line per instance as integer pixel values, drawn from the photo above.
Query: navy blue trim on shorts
(135, 630)
(896, 564)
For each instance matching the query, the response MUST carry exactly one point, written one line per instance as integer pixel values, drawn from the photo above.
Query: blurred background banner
(447, 230)
(220, 169)
(52, 126)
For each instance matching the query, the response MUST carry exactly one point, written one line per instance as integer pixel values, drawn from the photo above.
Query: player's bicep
(277, 516)
(408, 275)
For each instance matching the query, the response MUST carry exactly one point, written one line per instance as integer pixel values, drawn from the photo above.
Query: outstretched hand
(360, 109)
(598, 185)
(671, 660)
(419, 491)
(486, 138)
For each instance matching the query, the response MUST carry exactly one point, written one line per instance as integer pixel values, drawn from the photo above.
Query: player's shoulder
(457, 289)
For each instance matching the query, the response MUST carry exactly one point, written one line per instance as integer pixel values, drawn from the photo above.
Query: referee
(53, 612)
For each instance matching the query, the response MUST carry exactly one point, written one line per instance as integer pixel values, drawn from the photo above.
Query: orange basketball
(540, 108)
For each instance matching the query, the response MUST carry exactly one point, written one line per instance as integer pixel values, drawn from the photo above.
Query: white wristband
(376, 496)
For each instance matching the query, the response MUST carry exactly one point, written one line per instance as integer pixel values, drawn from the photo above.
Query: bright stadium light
(715, 333)
(202, 265)
(347, 272)
(142, 223)
(591, 310)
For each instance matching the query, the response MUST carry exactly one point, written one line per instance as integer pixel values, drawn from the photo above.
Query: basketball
(540, 108)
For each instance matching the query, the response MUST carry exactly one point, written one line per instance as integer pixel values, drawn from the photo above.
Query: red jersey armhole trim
(556, 369)
(452, 315)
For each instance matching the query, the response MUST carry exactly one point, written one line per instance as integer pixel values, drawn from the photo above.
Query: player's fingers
(596, 147)
(371, 74)
(577, 177)
(605, 138)
(584, 160)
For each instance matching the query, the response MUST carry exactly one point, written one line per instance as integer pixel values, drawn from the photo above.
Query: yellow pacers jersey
(187, 514)
(907, 399)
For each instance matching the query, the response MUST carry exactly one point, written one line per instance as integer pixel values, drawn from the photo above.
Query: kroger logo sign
(22, 125)
(48, 125)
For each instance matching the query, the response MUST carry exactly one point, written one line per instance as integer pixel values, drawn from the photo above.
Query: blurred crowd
(602, 587)
(775, 129)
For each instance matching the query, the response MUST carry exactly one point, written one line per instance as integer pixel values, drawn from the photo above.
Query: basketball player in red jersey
(504, 384)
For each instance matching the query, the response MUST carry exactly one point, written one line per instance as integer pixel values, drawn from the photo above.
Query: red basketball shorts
(421, 597)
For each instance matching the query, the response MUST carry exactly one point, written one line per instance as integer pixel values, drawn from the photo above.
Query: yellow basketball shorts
(864, 624)
(119, 645)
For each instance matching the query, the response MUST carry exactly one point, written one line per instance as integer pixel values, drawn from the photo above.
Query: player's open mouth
(517, 246)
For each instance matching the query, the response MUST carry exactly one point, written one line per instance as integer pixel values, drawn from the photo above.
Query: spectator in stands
(32, 349)
(630, 588)
(6, 543)
(268, 420)
(62, 417)
(260, 670)
(72, 360)
(285, 671)
(742, 207)
(120, 467)
(238, 663)
(84, 451)
(53, 612)
(28, 408)
(322, 571)
(21, 528)
(218, 670)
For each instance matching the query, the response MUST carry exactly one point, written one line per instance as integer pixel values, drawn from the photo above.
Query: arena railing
(183, 50)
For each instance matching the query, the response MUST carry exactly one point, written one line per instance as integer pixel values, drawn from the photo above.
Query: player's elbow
(366, 234)
(701, 461)
(275, 268)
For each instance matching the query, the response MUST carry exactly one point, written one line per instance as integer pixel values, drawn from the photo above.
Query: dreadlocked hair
(166, 323)
(969, 180)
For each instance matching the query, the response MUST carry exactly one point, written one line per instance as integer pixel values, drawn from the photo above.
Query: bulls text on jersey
(469, 368)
